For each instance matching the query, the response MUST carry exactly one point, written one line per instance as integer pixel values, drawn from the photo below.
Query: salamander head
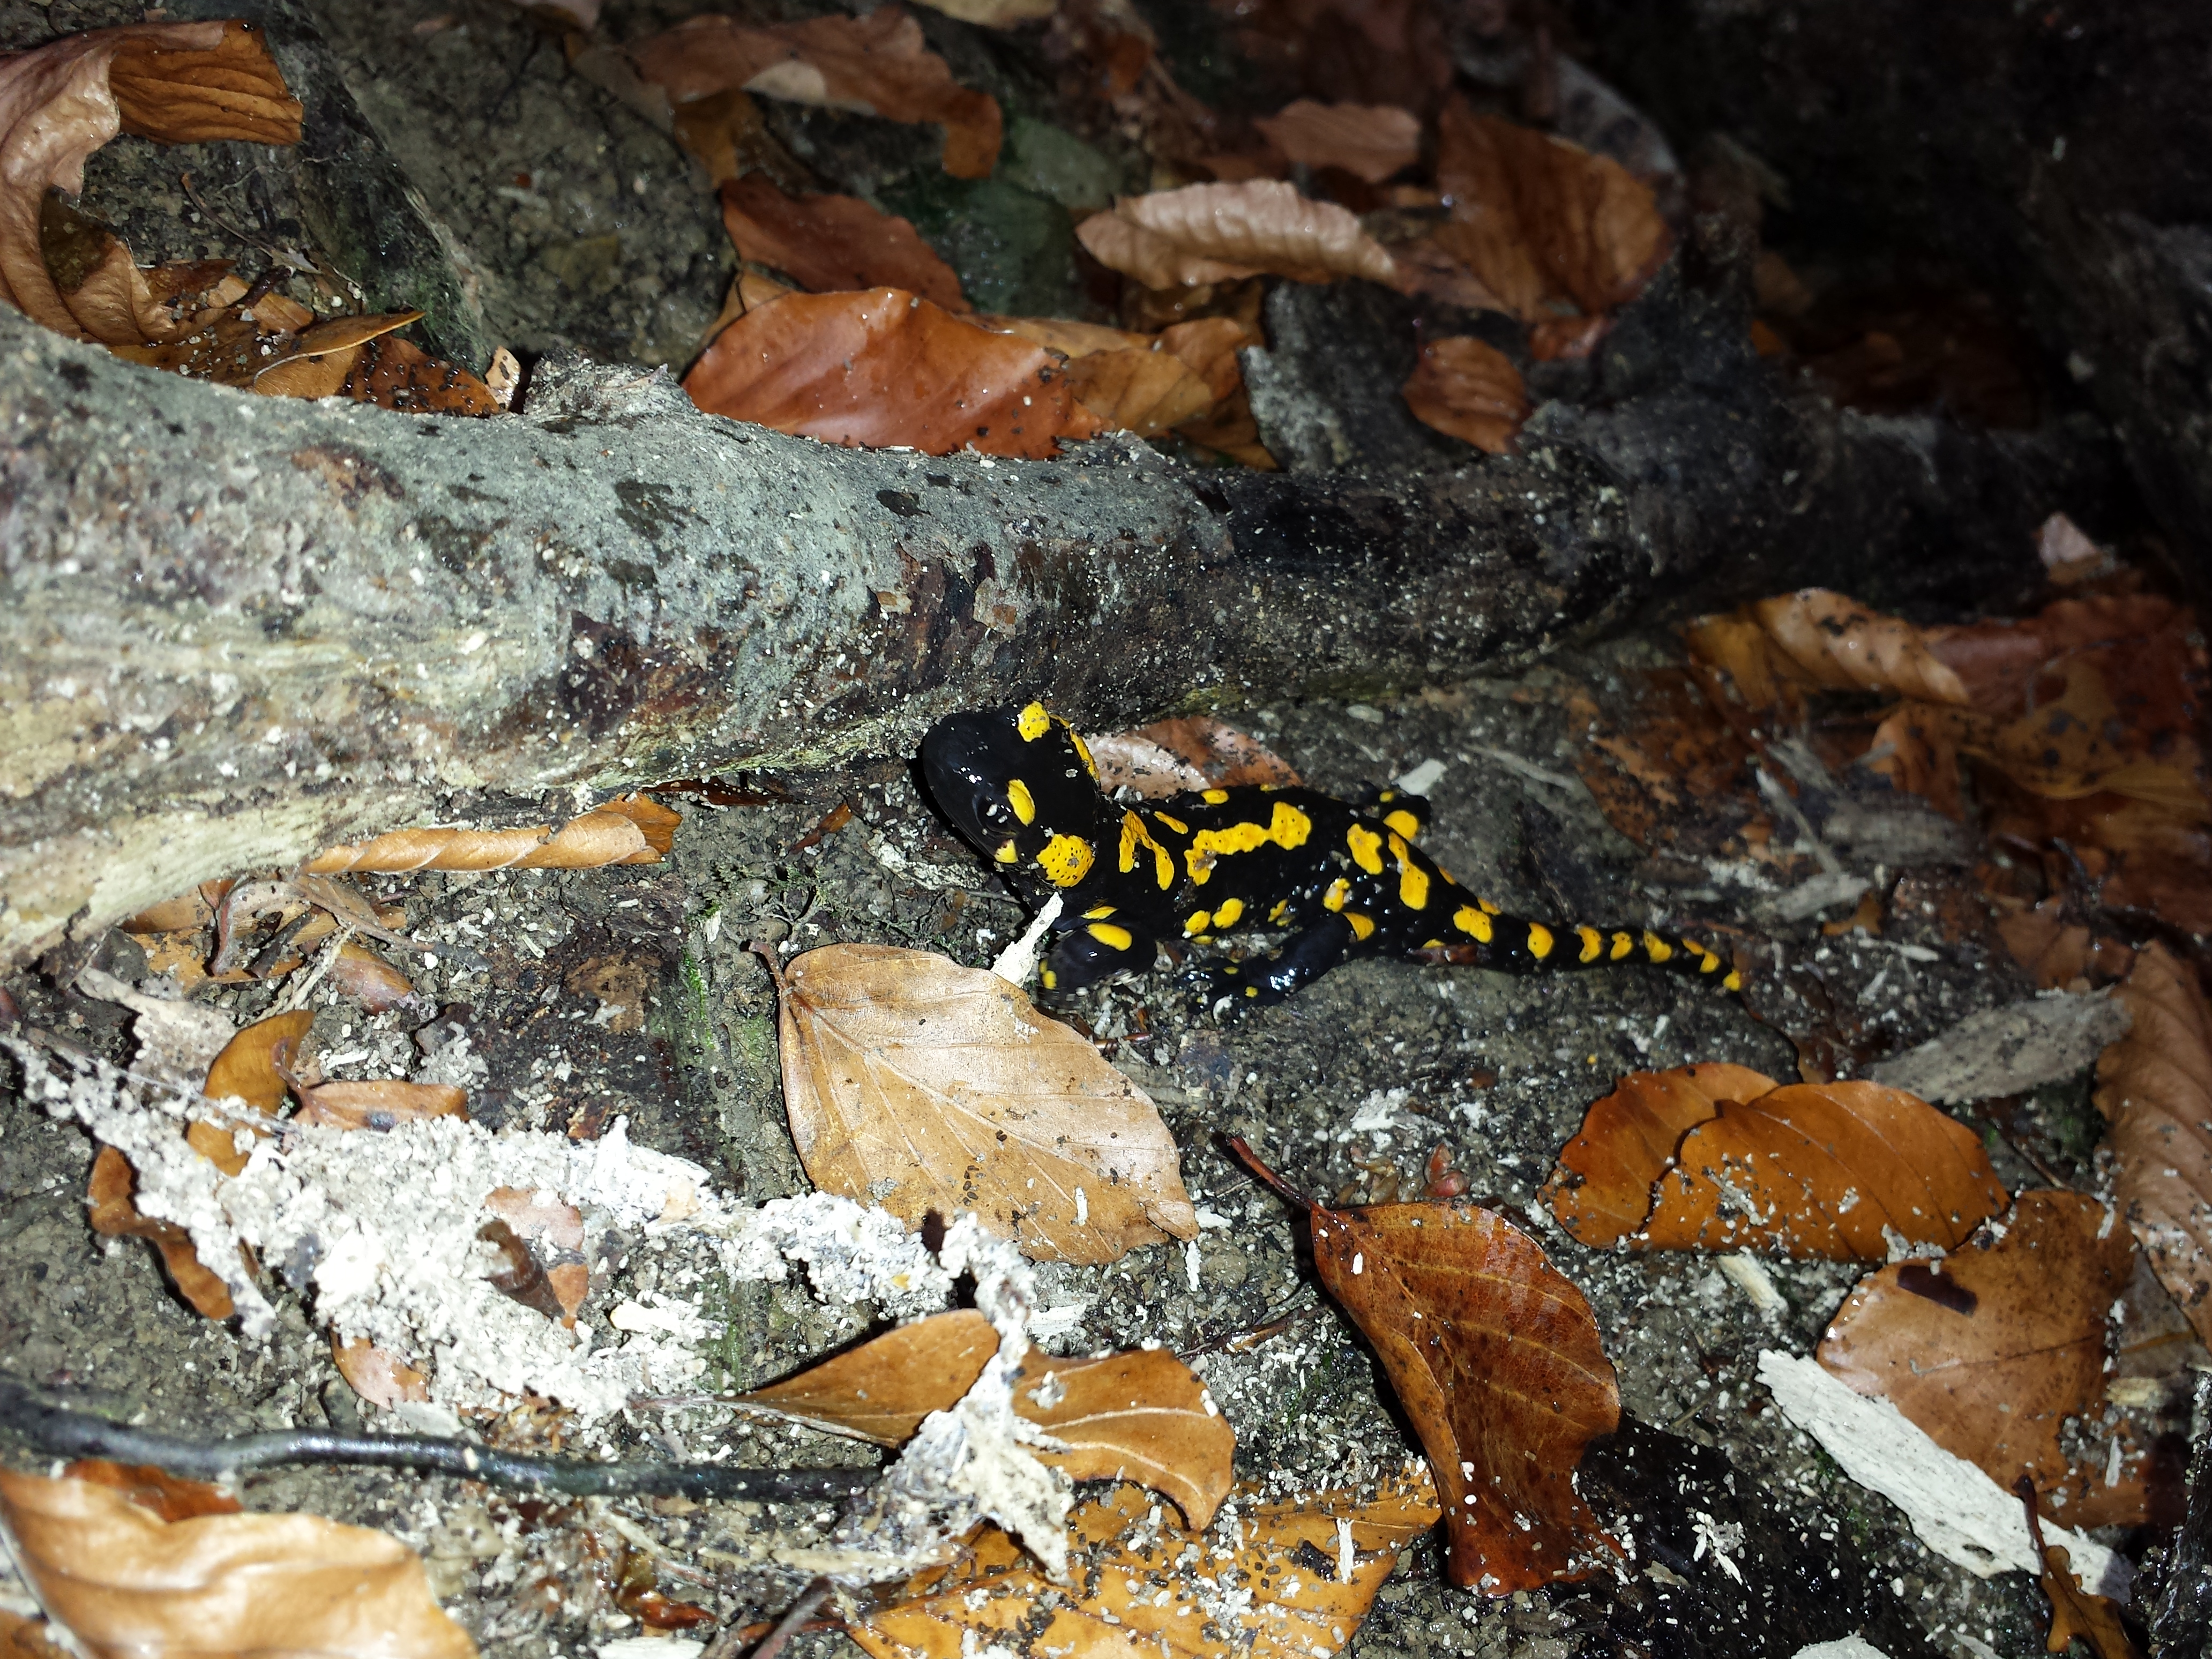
(1019, 783)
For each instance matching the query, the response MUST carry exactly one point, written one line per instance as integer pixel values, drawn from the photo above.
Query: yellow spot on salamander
(1404, 822)
(1051, 980)
(1282, 908)
(1007, 852)
(1657, 949)
(1622, 945)
(1366, 849)
(1593, 942)
(1339, 890)
(1025, 803)
(1066, 859)
(1287, 827)
(1098, 913)
(1733, 982)
(1083, 749)
(1172, 823)
(1362, 926)
(1540, 941)
(1198, 921)
(1710, 963)
(1228, 912)
(1133, 836)
(1469, 919)
(1213, 797)
(1032, 722)
(1107, 932)
(1413, 886)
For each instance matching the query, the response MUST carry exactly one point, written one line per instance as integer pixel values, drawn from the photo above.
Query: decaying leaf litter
(1374, 1122)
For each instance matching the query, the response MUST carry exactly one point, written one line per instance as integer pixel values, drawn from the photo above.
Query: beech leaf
(154, 1490)
(924, 1086)
(2154, 1088)
(1990, 1348)
(886, 367)
(834, 242)
(1193, 751)
(1140, 1416)
(630, 829)
(1496, 1358)
(1369, 141)
(877, 64)
(1146, 384)
(379, 1104)
(112, 1213)
(126, 1582)
(1833, 1170)
(250, 1068)
(378, 1375)
(1294, 1582)
(1816, 638)
(1219, 233)
(1470, 390)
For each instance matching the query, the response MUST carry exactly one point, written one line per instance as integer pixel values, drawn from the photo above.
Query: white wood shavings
(1748, 1274)
(1957, 1511)
(1018, 961)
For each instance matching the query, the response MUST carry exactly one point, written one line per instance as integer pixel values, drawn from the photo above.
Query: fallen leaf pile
(920, 1085)
(1720, 1157)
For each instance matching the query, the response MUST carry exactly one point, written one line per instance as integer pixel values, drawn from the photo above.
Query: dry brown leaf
(875, 64)
(630, 829)
(1286, 1586)
(1990, 1348)
(29, 1638)
(154, 1490)
(1140, 1416)
(1144, 383)
(994, 13)
(2075, 1613)
(1818, 639)
(172, 82)
(553, 1233)
(128, 1584)
(377, 1374)
(274, 351)
(251, 1068)
(1369, 141)
(381, 1103)
(1496, 1358)
(1829, 1170)
(2154, 1088)
(1218, 233)
(883, 367)
(1470, 390)
(112, 1213)
(1193, 751)
(1601, 1190)
(834, 242)
(924, 1086)
(369, 979)
(1540, 221)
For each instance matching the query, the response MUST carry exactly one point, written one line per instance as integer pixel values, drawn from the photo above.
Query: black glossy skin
(1346, 881)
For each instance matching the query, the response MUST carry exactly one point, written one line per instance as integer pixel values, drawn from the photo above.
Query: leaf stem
(1241, 1150)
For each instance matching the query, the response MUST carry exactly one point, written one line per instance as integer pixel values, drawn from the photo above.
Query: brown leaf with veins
(1293, 1581)
(877, 64)
(1990, 1348)
(1218, 233)
(1601, 1190)
(172, 82)
(127, 1583)
(834, 242)
(1820, 640)
(920, 1085)
(1192, 751)
(1140, 1416)
(629, 829)
(379, 1104)
(885, 367)
(2076, 1613)
(112, 1213)
(1146, 384)
(1467, 389)
(377, 1374)
(154, 1490)
(1369, 141)
(1496, 1358)
(2154, 1088)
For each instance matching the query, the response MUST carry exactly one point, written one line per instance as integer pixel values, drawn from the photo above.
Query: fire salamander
(1345, 880)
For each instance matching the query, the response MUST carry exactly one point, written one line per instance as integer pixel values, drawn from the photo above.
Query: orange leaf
(369, 979)
(1140, 1416)
(381, 1103)
(886, 367)
(1469, 390)
(247, 1069)
(1820, 639)
(1369, 141)
(1218, 233)
(1191, 752)
(1990, 1348)
(834, 242)
(875, 64)
(154, 1490)
(631, 829)
(112, 1213)
(1601, 1190)
(381, 1378)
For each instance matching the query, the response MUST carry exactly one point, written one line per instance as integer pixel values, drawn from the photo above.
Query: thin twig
(787, 1626)
(61, 1432)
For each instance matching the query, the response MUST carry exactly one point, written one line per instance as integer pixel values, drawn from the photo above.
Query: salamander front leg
(1259, 980)
(1093, 951)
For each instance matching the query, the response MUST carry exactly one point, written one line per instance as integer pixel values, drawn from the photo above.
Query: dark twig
(795, 1617)
(61, 1432)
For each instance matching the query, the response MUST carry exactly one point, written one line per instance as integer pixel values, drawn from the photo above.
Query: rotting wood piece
(234, 632)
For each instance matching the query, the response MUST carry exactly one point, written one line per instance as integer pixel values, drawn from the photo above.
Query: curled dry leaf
(834, 242)
(125, 1582)
(630, 829)
(172, 82)
(886, 367)
(251, 1068)
(1832, 1169)
(1193, 751)
(2154, 1088)
(154, 1490)
(1468, 389)
(1218, 233)
(369, 979)
(1496, 1358)
(1146, 384)
(1369, 141)
(553, 1232)
(877, 64)
(1818, 639)
(1540, 221)
(1140, 1416)
(921, 1085)
(1990, 1348)
(112, 1214)
(377, 1374)
(1294, 1582)
(2075, 1611)
(381, 1103)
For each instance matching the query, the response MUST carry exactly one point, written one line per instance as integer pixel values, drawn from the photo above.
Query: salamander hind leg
(1095, 950)
(1259, 981)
